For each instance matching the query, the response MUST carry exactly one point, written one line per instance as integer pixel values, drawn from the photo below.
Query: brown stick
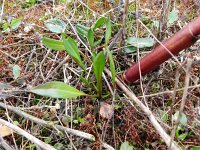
(172, 46)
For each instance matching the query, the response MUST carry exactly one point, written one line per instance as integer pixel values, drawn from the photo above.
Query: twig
(4, 144)
(108, 147)
(88, 7)
(187, 80)
(163, 18)
(8, 55)
(27, 135)
(30, 58)
(138, 56)
(58, 67)
(177, 76)
(2, 8)
(75, 32)
(46, 123)
(148, 113)
(125, 13)
(173, 56)
(40, 67)
(115, 39)
(170, 91)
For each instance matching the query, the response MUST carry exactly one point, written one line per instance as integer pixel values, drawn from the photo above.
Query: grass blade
(108, 31)
(112, 65)
(90, 38)
(99, 64)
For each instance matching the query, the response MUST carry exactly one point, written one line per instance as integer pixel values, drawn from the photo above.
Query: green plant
(195, 148)
(98, 66)
(127, 146)
(57, 89)
(13, 25)
(29, 3)
(180, 134)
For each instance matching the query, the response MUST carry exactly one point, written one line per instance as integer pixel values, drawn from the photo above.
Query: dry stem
(46, 123)
(27, 135)
(148, 113)
(187, 80)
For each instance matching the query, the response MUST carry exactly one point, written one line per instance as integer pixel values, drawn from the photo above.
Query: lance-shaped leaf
(82, 30)
(73, 51)
(112, 64)
(56, 89)
(108, 31)
(55, 25)
(99, 23)
(98, 65)
(90, 38)
(53, 44)
(140, 42)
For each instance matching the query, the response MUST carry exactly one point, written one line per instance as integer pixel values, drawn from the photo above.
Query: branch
(4, 144)
(27, 135)
(46, 123)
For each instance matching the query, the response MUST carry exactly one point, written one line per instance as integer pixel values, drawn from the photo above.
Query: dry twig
(46, 123)
(27, 135)
(148, 113)
(187, 80)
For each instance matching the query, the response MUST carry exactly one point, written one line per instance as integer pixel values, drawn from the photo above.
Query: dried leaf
(106, 110)
(5, 131)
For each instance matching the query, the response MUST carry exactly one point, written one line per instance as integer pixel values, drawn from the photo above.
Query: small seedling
(180, 129)
(13, 25)
(62, 90)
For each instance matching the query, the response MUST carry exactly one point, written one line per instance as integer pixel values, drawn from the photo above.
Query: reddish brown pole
(179, 41)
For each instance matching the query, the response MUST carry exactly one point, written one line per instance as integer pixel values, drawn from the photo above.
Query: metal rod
(172, 46)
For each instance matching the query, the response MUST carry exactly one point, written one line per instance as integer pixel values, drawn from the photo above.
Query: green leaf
(98, 42)
(15, 23)
(195, 148)
(73, 51)
(172, 18)
(47, 140)
(55, 25)
(90, 38)
(99, 23)
(112, 65)
(181, 136)
(56, 89)
(53, 44)
(163, 116)
(129, 49)
(16, 123)
(183, 119)
(82, 30)
(108, 31)
(98, 65)
(140, 42)
(58, 146)
(16, 71)
(5, 27)
(126, 146)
